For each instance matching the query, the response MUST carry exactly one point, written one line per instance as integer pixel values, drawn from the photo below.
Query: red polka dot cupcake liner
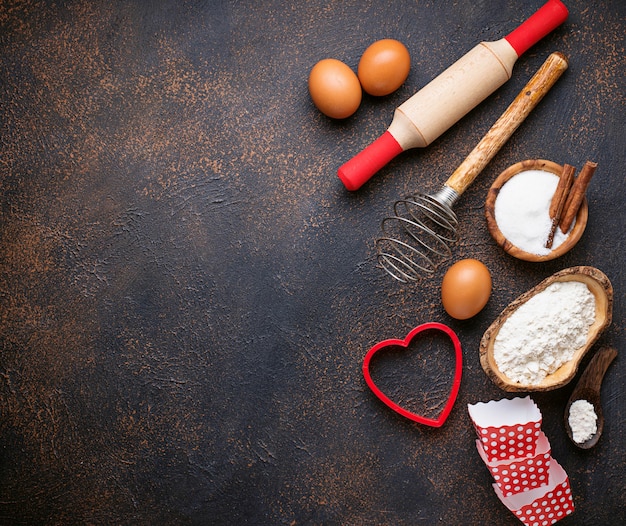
(520, 474)
(542, 506)
(507, 429)
(518, 455)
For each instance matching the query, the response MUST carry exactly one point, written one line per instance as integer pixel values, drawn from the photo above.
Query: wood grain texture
(187, 291)
(588, 389)
(515, 114)
(597, 283)
(577, 232)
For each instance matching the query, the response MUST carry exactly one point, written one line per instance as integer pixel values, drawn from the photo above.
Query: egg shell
(466, 288)
(384, 66)
(334, 88)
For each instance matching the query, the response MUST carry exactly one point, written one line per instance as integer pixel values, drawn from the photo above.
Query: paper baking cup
(521, 474)
(542, 506)
(507, 428)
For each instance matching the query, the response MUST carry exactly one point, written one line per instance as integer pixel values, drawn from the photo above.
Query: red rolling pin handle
(366, 163)
(545, 20)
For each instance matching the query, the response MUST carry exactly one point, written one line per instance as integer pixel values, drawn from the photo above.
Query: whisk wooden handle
(509, 121)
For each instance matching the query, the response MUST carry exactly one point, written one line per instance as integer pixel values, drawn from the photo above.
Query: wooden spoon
(588, 388)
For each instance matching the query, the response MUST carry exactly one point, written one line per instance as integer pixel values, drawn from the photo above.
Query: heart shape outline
(456, 382)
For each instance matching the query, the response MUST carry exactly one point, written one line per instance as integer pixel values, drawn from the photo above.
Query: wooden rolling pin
(447, 98)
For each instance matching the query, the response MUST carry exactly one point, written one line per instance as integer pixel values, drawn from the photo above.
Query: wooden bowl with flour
(597, 283)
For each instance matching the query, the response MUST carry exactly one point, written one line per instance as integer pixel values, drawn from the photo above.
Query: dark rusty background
(187, 292)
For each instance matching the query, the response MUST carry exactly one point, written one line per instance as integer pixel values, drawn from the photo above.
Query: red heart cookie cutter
(456, 383)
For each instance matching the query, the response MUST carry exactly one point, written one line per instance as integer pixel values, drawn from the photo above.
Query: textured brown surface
(187, 292)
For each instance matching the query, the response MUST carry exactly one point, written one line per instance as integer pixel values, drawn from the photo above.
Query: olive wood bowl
(600, 287)
(490, 212)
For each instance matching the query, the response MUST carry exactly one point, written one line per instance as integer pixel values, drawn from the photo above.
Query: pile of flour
(582, 420)
(544, 332)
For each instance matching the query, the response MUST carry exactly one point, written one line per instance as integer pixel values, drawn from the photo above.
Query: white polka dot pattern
(509, 442)
(522, 474)
(552, 507)
(519, 459)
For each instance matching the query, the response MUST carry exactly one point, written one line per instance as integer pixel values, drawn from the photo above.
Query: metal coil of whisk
(417, 238)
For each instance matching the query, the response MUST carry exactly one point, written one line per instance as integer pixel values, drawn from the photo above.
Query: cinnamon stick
(559, 199)
(576, 195)
(562, 189)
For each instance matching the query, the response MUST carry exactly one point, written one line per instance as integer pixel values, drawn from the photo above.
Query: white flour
(582, 421)
(544, 332)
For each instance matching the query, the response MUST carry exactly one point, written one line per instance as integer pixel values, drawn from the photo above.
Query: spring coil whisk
(417, 238)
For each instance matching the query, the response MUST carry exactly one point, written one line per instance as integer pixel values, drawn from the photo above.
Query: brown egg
(334, 88)
(384, 66)
(465, 288)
